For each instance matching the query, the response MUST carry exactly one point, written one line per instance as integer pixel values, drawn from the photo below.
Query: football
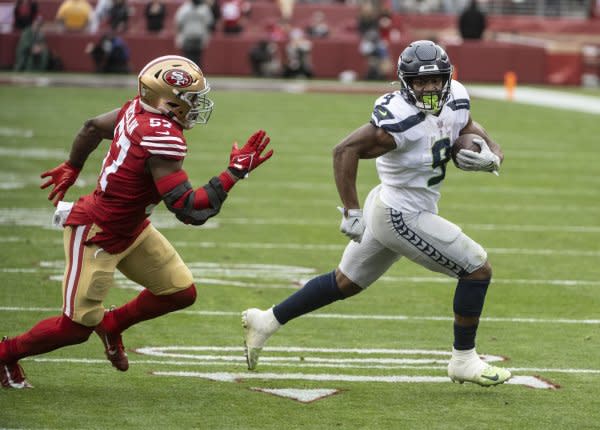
(465, 141)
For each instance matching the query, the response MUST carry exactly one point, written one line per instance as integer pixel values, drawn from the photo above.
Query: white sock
(464, 355)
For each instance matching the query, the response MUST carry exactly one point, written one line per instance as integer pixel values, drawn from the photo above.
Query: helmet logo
(178, 78)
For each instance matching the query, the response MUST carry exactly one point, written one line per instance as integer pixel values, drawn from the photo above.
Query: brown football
(465, 141)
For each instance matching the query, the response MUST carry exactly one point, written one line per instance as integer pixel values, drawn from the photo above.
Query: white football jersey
(412, 173)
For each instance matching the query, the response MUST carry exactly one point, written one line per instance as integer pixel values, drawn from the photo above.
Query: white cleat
(258, 327)
(474, 369)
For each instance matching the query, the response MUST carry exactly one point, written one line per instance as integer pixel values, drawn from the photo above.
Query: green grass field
(539, 221)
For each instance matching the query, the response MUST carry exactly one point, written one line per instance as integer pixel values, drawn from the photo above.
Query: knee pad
(469, 297)
(91, 316)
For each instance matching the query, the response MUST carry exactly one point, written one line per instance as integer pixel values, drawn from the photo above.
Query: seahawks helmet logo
(178, 78)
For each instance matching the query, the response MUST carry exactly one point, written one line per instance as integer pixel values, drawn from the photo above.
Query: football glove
(352, 224)
(485, 160)
(62, 177)
(247, 158)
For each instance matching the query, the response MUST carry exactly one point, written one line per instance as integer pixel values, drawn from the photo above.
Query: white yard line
(365, 317)
(297, 363)
(42, 218)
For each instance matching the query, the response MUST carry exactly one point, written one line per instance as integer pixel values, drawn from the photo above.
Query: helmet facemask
(427, 101)
(201, 107)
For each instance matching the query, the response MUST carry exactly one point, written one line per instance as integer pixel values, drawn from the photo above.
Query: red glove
(62, 177)
(247, 158)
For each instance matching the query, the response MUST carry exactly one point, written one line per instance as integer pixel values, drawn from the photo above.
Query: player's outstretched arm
(196, 206)
(86, 141)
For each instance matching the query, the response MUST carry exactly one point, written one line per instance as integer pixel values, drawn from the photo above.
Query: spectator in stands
(286, 9)
(193, 21)
(368, 17)
(32, 51)
(24, 13)
(317, 27)
(118, 16)
(298, 51)
(264, 59)
(74, 15)
(215, 8)
(100, 15)
(277, 31)
(387, 32)
(110, 54)
(379, 64)
(232, 12)
(155, 16)
(472, 22)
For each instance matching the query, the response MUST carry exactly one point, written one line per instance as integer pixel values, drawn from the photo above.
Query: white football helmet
(175, 86)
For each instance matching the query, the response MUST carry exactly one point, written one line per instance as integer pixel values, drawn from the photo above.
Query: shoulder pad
(459, 97)
(158, 136)
(394, 114)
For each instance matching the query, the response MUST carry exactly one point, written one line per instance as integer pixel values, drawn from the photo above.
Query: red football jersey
(125, 194)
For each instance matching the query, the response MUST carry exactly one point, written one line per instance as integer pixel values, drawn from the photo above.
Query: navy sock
(317, 292)
(464, 337)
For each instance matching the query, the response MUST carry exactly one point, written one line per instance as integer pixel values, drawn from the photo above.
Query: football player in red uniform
(109, 229)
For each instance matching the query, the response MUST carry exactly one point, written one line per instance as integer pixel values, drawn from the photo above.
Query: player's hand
(62, 177)
(247, 158)
(485, 160)
(352, 224)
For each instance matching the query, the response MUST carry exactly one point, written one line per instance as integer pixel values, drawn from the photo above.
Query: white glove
(352, 224)
(485, 160)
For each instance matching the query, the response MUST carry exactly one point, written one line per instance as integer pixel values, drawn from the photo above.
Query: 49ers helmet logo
(178, 78)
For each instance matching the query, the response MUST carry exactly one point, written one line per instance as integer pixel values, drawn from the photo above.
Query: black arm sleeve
(190, 215)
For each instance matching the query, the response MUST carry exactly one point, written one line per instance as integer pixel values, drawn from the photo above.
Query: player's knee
(184, 298)
(78, 333)
(481, 274)
(181, 276)
(345, 285)
(91, 317)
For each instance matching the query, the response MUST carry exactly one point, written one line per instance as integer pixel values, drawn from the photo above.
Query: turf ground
(385, 350)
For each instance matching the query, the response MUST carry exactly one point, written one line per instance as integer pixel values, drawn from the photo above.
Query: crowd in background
(284, 48)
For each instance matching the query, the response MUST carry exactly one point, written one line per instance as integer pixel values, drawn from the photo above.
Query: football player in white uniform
(410, 134)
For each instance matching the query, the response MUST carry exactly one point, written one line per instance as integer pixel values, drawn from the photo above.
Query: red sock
(147, 306)
(45, 336)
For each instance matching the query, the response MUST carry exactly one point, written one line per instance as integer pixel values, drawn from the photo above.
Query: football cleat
(258, 327)
(113, 347)
(12, 375)
(477, 371)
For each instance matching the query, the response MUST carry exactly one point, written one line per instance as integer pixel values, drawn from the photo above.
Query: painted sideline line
(352, 317)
